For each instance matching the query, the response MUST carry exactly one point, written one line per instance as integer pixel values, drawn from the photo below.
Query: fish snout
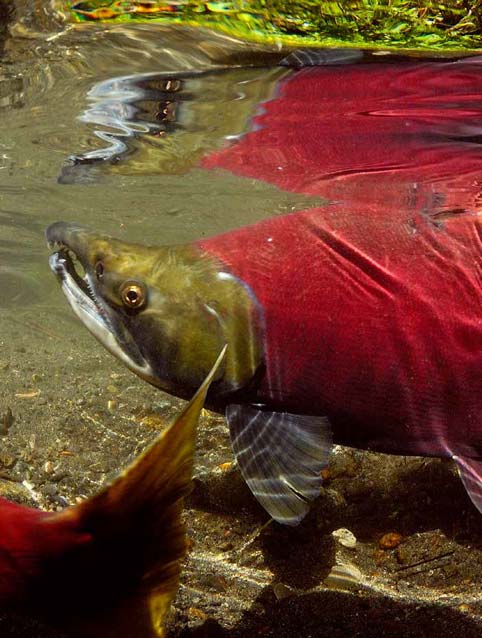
(65, 234)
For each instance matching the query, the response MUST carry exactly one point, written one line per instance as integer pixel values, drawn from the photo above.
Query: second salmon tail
(137, 528)
(109, 566)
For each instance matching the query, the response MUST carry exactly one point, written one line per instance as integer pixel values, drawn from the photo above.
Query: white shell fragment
(345, 537)
(344, 576)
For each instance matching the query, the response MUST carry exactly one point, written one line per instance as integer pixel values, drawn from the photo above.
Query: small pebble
(31, 394)
(194, 612)
(282, 591)
(7, 461)
(48, 467)
(390, 540)
(6, 422)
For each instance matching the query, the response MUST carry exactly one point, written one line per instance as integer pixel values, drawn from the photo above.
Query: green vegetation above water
(397, 24)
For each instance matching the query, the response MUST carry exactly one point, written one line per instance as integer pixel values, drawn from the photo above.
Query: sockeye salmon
(359, 322)
(110, 565)
(361, 327)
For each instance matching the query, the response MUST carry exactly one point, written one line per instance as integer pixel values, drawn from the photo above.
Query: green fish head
(165, 311)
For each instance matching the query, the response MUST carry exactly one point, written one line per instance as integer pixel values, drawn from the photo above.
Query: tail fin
(122, 582)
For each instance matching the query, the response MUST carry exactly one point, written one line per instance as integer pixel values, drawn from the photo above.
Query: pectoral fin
(471, 474)
(281, 456)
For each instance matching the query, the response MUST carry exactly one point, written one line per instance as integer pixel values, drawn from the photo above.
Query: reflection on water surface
(167, 123)
(399, 131)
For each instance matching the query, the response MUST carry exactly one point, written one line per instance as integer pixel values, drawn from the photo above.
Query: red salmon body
(373, 303)
(373, 320)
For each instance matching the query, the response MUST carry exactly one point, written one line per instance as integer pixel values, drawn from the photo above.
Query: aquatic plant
(363, 23)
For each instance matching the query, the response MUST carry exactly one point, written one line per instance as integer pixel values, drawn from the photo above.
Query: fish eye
(99, 270)
(133, 295)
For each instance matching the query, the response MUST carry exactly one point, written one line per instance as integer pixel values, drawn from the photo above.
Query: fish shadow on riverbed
(337, 614)
(327, 614)
(421, 500)
(370, 494)
(406, 495)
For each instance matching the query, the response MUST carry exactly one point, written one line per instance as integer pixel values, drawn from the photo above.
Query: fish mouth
(79, 291)
(98, 316)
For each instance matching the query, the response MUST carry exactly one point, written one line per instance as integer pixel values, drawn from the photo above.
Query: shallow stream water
(164, 135)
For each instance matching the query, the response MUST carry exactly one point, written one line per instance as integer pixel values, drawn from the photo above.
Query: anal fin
(280, 456)
(471, 474)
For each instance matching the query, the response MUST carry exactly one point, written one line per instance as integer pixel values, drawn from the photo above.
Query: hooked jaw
(70, 242)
